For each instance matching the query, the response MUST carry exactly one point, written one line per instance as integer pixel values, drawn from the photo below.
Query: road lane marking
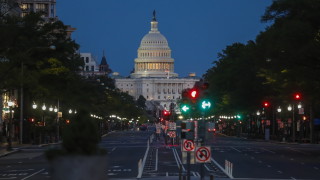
(236, 149)
(268, 150)
(316, 168)
(297, 151)
(9, 178)
(33, 174)
(178, 160)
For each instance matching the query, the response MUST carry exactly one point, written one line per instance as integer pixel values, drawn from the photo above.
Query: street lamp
(279, 109)
(50, 108)
(43, 107)
(34, 105)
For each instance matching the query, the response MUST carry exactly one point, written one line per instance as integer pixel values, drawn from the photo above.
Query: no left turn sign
(203, 154)
(188, 145)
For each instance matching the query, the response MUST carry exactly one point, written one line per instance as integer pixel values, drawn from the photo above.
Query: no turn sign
(188, 145)
(203, 154)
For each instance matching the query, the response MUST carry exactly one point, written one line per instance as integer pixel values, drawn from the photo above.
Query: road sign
(172, 134)
(188, 145)
(203, 154)
(172, 126)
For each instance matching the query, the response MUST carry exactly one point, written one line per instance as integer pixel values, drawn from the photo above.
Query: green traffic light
(205, 104)
(185, 108)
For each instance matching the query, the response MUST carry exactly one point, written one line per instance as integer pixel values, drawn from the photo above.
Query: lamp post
(52, 47)
(10, 104)
(34, 106)
(56, 110)
(43, 121)
(291, 108)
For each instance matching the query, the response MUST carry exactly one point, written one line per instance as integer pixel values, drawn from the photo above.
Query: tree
(141, 102)
(234, 84)
(289, 48)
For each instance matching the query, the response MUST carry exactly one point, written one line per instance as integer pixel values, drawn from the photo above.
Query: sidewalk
(16, 147)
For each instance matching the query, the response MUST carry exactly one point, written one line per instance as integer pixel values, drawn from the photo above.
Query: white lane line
(316, 168)
(236, 149)
(178, 157)
(297, 151)
(293, 178)
(113, 149)
(9, 178)
(268, 150)
(167, 174)
(207, 168)
(33, 174)
(175, 156)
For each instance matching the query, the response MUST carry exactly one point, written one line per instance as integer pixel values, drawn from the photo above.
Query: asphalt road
(266, 160)
(251, 159)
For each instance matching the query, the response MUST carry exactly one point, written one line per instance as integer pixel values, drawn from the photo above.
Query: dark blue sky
(197, 30)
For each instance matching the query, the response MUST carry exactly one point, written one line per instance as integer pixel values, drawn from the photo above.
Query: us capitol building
(154, 77)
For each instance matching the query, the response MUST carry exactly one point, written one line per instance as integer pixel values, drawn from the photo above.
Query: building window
(87, 68)
(158, 97)
(92, 68)
(147, 97)
(87, 59)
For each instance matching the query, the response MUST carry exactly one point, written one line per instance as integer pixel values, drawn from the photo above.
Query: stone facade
(154, 77)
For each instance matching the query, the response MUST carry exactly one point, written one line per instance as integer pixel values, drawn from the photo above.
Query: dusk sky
(196, 30)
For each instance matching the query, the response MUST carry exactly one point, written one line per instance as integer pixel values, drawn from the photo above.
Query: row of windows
(154, 66)
(154, 42)
(164, 97)
(87, 59)
(154, 54)
(87, 68)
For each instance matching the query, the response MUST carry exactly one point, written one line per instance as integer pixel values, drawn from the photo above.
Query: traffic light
(205, 104)
(194, 93)
(166, 114)
(266, 104)
(185, 108)
(297, 96)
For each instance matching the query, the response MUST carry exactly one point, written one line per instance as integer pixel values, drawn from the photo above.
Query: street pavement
(257, 156)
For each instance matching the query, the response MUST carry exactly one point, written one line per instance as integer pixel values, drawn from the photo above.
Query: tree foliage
(284, 59)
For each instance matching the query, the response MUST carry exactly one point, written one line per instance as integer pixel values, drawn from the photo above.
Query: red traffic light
(297, 96)
(194, 93)
(266, 104)
(166, 113)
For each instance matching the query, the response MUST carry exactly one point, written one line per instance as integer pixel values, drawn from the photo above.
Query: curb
(9, 152)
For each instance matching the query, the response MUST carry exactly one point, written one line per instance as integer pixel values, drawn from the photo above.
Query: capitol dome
(151, 40)
(154, 55)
